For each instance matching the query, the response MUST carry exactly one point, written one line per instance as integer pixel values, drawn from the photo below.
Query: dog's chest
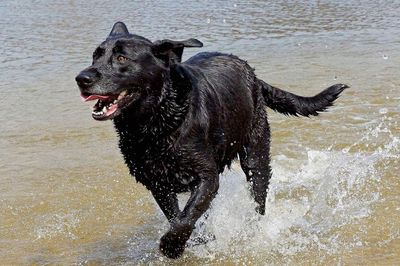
(157, 164)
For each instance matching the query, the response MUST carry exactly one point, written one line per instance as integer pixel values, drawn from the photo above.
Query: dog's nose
(85, 79)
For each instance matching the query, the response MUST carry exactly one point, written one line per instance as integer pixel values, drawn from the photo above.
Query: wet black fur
(190, 121)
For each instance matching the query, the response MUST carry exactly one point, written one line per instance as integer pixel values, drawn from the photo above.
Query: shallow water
(66, 196)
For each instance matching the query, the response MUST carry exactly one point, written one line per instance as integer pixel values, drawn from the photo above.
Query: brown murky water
(66, 196)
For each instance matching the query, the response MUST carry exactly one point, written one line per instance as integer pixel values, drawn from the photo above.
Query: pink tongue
(93, 97)
(112, 109)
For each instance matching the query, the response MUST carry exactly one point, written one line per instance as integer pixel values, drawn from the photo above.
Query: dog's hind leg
(254, 160)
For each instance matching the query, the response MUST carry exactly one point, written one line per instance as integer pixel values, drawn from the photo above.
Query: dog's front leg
(168, 203)
(173, 242)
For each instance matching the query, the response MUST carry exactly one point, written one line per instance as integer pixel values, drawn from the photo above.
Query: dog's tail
(291, 104)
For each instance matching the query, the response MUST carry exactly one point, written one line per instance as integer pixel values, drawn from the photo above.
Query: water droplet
(383, 111)
(385, 57)
(208, 21)
(234, 5)
(224, 20)
(335, 77)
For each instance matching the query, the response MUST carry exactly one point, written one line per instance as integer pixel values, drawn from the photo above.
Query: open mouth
(109, 106)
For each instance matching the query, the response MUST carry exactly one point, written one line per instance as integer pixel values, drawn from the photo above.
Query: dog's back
(223, 101)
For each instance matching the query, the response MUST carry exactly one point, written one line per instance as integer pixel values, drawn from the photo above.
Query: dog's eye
(122, 59)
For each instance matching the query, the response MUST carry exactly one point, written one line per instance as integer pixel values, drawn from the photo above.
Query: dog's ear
(119, 28)
(171, 51)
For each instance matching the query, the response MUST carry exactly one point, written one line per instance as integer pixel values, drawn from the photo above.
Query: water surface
(66, 196)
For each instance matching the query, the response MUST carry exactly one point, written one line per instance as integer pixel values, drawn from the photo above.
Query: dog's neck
(156, 129)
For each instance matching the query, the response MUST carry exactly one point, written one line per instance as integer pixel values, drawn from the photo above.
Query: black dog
(180, 124)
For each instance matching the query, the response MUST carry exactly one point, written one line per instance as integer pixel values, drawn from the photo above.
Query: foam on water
(57, 224)
(305, 208)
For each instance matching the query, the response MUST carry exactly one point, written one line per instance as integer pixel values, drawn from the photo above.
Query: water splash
(58, 224)
(305, 210)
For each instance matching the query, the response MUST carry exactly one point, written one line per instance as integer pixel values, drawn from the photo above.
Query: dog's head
(128, 70)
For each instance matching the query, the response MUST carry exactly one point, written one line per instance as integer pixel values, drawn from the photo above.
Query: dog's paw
(172, 244)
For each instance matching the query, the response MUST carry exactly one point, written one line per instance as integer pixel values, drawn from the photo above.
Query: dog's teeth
(97, 112)
(104, 110)
(115, 101)
(121, 95)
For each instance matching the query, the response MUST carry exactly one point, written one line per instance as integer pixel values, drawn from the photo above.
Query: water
(66, 196)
